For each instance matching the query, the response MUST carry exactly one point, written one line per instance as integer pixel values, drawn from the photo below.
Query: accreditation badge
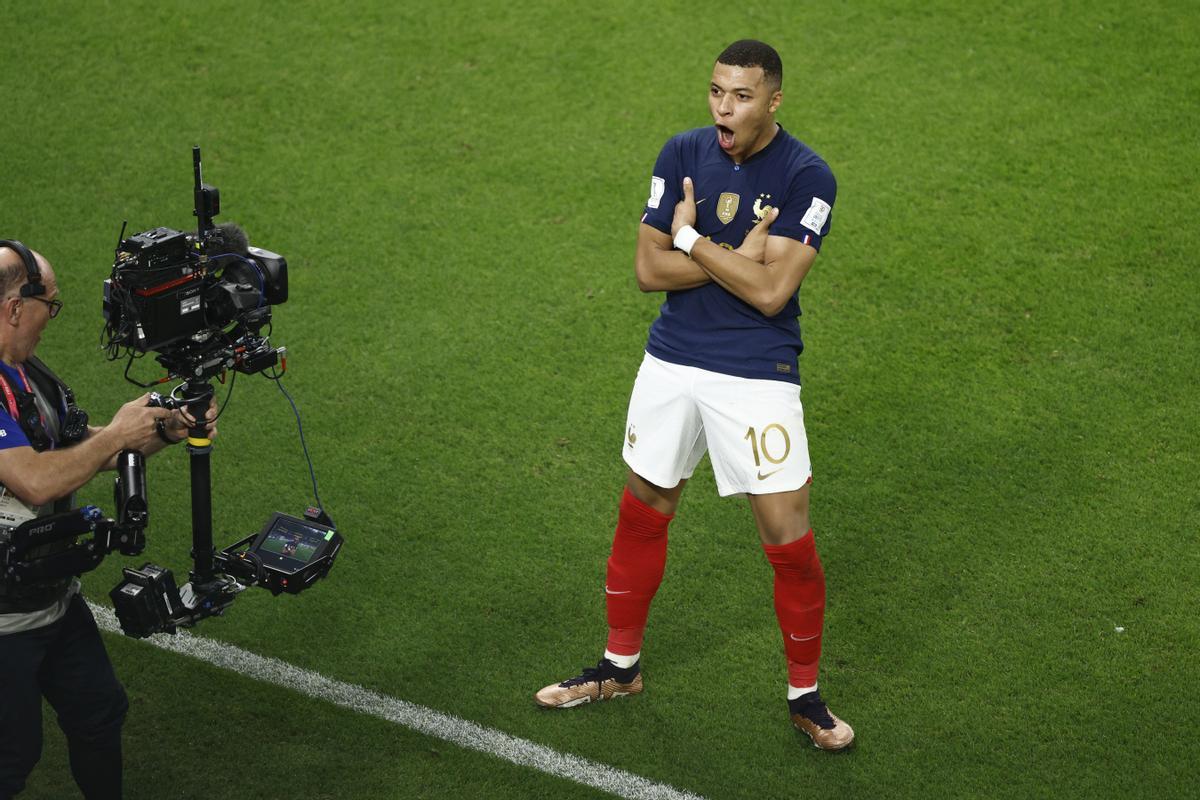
(13, 510)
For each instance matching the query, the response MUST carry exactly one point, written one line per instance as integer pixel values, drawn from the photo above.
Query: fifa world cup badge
(727, 206)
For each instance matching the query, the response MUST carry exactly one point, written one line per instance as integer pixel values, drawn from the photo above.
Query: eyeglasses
(54, 306)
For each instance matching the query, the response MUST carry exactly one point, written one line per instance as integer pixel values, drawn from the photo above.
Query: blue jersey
(709, 327)
(11, 434)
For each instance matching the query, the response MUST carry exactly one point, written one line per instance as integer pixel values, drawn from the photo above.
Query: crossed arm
(764, 272)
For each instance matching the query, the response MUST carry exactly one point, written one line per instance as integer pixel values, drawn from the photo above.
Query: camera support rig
(148, 601)
(200, 333)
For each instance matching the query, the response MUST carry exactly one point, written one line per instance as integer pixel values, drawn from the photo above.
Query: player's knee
(641, 520)
(785, 531)
(782, 518)
(796, 558)
(660, 499)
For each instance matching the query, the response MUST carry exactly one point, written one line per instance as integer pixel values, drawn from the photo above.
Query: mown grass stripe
(411, 715)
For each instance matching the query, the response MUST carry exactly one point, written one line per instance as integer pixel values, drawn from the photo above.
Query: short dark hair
(753, 53)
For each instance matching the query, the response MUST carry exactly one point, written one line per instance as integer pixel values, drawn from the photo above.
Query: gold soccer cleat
(602, 682)
(811, 715)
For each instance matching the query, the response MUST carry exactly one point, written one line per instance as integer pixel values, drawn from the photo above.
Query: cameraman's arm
(149, 450)
(40, 478)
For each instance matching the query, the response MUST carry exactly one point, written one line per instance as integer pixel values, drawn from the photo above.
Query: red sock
(799, 605)
(635, 569)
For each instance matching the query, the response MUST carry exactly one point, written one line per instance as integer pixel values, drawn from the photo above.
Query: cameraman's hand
(134, 423)
(180, 421)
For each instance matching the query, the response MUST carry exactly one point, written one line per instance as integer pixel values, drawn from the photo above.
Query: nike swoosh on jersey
(762, 477)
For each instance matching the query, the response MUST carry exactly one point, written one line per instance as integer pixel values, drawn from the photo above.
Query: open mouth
(724, 137)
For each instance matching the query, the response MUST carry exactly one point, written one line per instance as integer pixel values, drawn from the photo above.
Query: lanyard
(12, 400)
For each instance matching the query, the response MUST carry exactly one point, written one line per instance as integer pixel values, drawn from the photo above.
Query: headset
(34, 286)
(74, 426)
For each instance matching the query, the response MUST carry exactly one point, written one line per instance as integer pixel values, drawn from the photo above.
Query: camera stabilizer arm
(19, 561)
(18, 564)
(147, 600)
(288, 555)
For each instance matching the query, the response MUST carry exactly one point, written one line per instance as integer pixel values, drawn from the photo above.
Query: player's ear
(776, 99)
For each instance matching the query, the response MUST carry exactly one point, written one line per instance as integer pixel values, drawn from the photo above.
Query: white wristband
(686, 239)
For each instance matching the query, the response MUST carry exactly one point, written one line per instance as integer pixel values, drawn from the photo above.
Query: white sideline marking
(419, 718)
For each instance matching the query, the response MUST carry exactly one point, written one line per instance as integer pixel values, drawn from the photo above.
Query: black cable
(228, 396)
(134, 355)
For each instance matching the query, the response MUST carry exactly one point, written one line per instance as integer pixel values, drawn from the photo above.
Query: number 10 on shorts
(762, 445)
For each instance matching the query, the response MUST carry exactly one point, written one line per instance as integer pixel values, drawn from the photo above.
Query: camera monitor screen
(290, 544)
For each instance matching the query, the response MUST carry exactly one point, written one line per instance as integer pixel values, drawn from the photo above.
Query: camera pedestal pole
(198, 395)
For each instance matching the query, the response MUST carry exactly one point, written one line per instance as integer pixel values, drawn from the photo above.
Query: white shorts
(752, 428)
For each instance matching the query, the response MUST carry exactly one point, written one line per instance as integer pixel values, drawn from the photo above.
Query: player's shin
(635, 570)
(799, 605)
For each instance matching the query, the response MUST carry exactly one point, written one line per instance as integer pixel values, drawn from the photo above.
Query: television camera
(200, 301)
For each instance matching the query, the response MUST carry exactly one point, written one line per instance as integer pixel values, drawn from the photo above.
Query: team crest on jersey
(761, 208)
(727, 206)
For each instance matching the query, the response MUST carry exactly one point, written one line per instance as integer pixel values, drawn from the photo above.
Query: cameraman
(49, 643)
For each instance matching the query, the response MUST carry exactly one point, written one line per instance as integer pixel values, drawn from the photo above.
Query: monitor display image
(292, 542)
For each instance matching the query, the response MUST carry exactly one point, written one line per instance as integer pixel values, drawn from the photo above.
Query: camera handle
(208, 198)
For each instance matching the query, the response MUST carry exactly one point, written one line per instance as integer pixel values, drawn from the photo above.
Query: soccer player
(736, 215)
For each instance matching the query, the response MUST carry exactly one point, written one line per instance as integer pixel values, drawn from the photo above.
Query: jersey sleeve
(666, 188)
(807, 211)
(11, 434)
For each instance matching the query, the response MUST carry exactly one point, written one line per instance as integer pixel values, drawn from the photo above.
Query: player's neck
(768, 135)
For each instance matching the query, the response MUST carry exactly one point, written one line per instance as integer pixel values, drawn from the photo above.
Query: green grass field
(1001, 384)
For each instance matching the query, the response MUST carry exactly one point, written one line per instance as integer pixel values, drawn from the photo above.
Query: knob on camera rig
(200, 302)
